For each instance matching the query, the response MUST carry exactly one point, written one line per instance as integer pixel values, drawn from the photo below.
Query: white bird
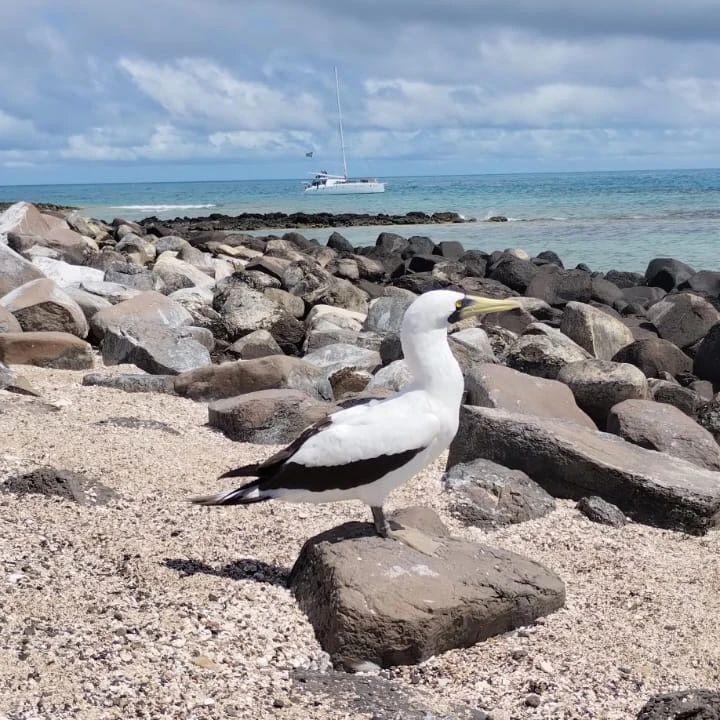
(366, 451)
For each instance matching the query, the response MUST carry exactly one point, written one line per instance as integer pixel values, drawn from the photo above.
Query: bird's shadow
(242, 569)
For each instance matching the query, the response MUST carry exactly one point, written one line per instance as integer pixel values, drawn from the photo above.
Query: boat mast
(342, 139)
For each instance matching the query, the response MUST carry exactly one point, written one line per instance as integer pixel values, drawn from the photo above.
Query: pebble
(204, 661)
(532, 700)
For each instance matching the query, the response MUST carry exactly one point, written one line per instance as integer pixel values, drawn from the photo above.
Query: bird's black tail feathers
(245, 495)
(244, 471)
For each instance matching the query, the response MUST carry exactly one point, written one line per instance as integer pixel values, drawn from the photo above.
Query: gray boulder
(662, 427)
(487, 495)
(598, 385)
(155, 348)
(557, 286)
(41, 305)
(708, 415)
(685, 704)
(257, 344)
(513, 272)
(244, 376)
(394, 376)
(267, 417)
(15, 270)
(374, 600)
(339, 356)
(672, 393)
(707, 357)
(385, 314)
(46, 349)
(544, 353)
(65, 274)
(113, 292)
(348, 381)
(87, 302)
(148, 306)
(130, 276)
(315, 285)
(570, 460)
(683, 319)
(244, 310)
(132, 382)
(667, 273)
(472, 346)
(643, 295)
(599, 511)
(599, 333)
(173, 274)
(292, 304)
(8, 323)
(503, 388)
(654, 357)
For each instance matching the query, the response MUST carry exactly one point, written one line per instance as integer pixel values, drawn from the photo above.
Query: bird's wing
(404, 422)
(397, 426)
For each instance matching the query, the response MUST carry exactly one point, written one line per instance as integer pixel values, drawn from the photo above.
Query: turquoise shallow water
(609, 219)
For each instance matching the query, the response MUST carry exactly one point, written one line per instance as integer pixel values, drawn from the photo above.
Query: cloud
(199, 90)
(459, 86)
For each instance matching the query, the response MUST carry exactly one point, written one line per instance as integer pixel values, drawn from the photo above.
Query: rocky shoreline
(297, 220)
(602, 389)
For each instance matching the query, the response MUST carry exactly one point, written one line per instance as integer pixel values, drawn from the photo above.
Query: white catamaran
(328, 184)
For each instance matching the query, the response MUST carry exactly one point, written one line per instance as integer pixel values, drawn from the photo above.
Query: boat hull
(350, 188)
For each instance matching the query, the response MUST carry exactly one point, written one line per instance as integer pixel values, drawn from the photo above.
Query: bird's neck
(432, 364)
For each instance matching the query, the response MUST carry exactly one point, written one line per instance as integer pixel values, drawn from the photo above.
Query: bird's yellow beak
(471, 305)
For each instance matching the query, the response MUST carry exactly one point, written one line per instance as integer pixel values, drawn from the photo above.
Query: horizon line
(390, 177)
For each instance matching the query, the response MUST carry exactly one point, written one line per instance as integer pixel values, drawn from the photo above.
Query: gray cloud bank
(459, 86)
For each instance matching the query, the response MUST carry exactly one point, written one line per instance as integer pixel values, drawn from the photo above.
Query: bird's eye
(459, 305)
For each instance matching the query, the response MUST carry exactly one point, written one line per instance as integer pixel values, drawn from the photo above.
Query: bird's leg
(381, 524)
(411, 537)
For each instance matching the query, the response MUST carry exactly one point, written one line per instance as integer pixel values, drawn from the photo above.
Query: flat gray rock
(375, 600)
(500, 387)
(132, 382)
(268, 417)
(268, 373)
(572, 461)
(488, 495)
(662, 427)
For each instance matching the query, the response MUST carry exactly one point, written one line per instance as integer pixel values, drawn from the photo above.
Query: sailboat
(328, 184)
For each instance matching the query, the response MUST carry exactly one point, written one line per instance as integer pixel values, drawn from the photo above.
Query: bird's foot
(412, 537)
(415, 539)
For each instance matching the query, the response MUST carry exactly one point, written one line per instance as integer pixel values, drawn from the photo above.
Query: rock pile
(603, 387)
(215, 314)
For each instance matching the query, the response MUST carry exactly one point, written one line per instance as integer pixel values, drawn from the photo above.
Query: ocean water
(604, 219)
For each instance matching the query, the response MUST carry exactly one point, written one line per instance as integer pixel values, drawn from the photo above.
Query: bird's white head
(436, 309)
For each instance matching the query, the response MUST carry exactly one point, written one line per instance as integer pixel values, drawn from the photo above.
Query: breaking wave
(162, 208)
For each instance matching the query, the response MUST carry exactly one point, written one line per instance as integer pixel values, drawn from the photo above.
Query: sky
(162, 90)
